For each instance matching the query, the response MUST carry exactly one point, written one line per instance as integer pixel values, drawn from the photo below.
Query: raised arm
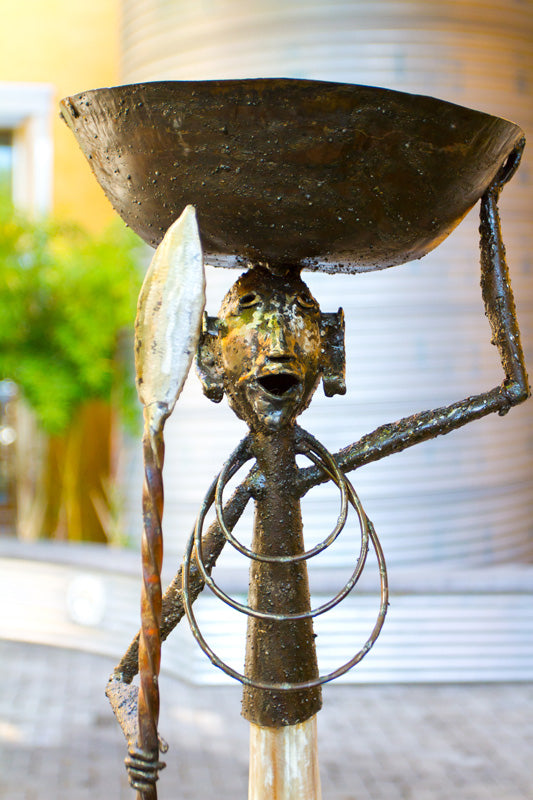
(500, 310)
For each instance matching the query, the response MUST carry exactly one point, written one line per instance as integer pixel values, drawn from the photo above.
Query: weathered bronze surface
(304, 443)
(383, 441)
(309, 173)
(291, 174)
(267, 349)
(279, 651)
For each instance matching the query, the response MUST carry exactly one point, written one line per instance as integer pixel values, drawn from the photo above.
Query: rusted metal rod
(501, 313)
(172, 608)
(499, 300)
(279, 651)
(151, 596)
(195, 563)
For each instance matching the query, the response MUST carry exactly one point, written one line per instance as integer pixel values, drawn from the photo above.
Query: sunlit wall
(58, 48)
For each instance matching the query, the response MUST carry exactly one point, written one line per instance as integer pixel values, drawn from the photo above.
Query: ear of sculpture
(208, 361)
(333, 358)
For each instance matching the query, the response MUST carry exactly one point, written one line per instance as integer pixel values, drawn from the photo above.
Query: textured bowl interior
(321, 175)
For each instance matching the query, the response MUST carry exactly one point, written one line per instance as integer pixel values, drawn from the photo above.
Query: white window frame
(25, 110)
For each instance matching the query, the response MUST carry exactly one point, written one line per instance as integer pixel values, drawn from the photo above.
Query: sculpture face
(270, 348)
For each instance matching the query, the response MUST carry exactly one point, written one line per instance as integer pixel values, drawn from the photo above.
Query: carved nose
(278, 346)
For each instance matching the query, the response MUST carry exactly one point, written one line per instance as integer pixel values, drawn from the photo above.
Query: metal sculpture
(285, 175)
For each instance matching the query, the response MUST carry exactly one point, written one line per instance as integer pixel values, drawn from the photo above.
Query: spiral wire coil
(308, 446)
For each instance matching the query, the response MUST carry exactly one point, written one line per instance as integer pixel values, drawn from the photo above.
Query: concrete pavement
(59, 741)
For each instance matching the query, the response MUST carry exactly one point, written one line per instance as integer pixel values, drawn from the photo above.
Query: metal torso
(279, 651)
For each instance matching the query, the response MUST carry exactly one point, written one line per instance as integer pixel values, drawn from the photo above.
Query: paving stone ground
(59, 741)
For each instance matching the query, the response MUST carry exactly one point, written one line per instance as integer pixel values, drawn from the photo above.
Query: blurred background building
(48, 52)
(454, 515)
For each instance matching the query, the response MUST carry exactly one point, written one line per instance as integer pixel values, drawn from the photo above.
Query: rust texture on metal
(267, 350)
(146, 749)
(384, 440)
(279, 651)
(316, 174)
(285, 175)
(167, 329)
(270, 348)
(268, 355)
(309, 446)
(498, 299)
(172, 603)
(515, 389)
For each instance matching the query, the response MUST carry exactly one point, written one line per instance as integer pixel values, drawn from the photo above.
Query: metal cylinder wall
(416, 334)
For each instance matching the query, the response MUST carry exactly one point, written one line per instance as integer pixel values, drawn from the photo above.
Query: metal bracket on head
(207, 362)
(333, 358)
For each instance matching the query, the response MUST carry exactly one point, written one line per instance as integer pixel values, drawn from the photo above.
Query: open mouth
(278, 384)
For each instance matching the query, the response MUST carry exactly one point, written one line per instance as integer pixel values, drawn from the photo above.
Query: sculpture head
(268, 348)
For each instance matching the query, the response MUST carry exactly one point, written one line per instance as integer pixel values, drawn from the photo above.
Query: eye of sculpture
(305, 301)
(249, 300)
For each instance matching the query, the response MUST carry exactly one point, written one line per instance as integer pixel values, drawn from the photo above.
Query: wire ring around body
(311, 449)
(367, 531)
(248, 610)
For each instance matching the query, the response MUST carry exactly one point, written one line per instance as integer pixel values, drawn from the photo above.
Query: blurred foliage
(67, 306)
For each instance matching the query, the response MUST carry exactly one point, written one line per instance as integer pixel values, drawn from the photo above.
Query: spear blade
(169, 314)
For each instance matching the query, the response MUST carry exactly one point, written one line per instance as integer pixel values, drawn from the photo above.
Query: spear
(167, 329)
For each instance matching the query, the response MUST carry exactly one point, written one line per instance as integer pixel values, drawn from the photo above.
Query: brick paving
(59, 741)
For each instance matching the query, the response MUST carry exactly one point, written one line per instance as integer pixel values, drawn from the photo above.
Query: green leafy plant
(67, 306)
(66, 300)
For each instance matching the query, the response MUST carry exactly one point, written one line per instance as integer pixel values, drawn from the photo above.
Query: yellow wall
(72, 45)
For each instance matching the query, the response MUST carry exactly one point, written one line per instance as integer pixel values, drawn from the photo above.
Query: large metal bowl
(322, 175)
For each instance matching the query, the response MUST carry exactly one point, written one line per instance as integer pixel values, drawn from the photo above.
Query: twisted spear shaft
(151, 595)
(167, 329)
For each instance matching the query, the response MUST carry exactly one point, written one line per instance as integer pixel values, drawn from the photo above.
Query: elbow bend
(514, 392)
